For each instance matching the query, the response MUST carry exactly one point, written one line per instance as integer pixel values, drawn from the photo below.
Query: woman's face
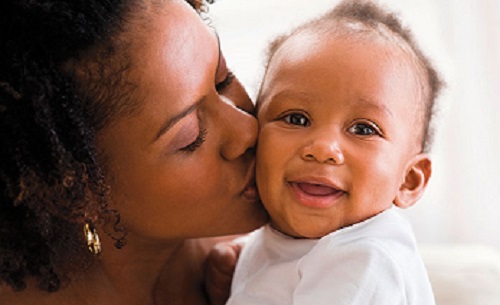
(182, 166)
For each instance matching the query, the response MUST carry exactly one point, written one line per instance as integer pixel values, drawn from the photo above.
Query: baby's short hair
(375, 21)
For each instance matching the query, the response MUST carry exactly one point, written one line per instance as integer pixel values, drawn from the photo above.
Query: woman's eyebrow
(169, 123)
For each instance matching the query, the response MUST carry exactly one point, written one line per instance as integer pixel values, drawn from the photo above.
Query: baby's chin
(307, 231)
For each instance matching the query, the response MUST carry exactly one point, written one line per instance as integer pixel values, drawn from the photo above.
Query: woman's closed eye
(189, 135)
(193, 146)
(225, 82)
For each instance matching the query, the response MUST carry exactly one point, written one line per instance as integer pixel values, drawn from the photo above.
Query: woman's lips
(250, 191)
(316, 195)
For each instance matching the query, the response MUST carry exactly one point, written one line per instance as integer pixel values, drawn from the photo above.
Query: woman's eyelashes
(202, 131)
(226, 82)
(190, 134)
(193, 146)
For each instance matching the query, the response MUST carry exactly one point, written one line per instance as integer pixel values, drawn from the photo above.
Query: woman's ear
(417, 175)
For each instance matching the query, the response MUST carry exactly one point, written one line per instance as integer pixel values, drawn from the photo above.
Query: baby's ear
(417, 175)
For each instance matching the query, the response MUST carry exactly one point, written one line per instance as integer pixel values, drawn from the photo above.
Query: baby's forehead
(354, 34)
(355, 31)
(354, 49)
(313, 41)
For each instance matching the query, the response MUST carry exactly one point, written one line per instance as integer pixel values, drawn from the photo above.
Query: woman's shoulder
(9, 296)
(28, 296)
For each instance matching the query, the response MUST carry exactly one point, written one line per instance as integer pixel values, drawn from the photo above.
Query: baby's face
(339, 127)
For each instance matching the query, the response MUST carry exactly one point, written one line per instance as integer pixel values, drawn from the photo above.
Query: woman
(124, 137)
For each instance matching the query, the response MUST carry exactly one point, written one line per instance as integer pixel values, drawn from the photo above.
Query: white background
(462, 37)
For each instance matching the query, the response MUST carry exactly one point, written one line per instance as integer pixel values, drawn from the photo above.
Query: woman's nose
(240, 131)
(323, 150)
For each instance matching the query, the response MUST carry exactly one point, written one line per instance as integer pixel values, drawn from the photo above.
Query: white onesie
(375, 262)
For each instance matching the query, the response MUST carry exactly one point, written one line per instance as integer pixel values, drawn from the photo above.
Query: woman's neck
(138, 274)
(148, 273)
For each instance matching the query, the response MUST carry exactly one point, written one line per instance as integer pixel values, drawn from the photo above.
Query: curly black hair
(51, 179)
(375, 18)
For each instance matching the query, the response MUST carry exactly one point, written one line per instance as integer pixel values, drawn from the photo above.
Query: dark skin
(180, 169)
(219, 271)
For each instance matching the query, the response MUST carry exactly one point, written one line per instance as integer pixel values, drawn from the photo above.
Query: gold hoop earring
(93, 242)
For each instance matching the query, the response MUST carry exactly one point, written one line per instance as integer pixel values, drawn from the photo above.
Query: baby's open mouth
(315, 194)
(317, 189)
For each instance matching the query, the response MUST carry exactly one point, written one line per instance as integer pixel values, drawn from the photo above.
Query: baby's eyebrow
(377, 106)
(291, 94)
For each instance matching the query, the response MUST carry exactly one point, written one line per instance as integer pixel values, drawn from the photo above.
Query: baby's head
(344, 109)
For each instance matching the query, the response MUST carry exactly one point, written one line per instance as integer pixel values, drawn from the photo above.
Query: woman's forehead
(173, 63)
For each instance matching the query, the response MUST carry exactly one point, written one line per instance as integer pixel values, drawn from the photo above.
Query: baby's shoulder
(384, 232)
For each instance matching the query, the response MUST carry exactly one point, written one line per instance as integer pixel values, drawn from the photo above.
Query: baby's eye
(364, 129)
(297, 119)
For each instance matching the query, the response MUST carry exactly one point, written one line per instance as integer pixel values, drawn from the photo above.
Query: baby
(344, 113)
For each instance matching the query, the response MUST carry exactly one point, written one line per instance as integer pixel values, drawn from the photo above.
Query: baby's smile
(316, 195)
(314, 189)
